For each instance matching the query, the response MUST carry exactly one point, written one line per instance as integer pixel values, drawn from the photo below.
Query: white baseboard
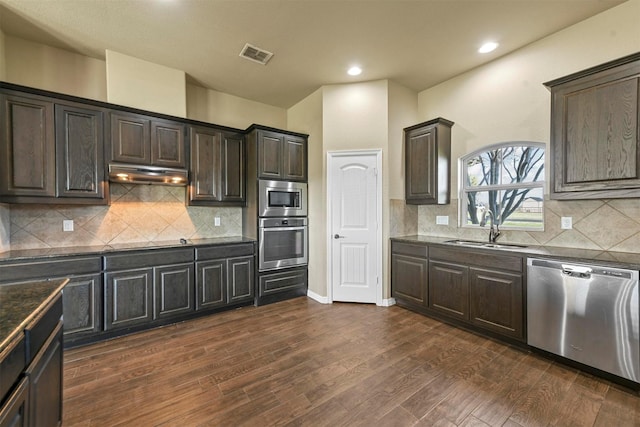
(388, 302)
(316, 297)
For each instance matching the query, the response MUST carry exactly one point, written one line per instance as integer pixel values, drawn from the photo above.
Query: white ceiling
(416, 43)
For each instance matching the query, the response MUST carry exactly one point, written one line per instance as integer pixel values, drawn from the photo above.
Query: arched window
(508, 180)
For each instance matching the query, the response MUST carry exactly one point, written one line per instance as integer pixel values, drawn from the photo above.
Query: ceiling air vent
(255, 54)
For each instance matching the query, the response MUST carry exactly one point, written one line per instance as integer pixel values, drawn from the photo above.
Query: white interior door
(355, 198)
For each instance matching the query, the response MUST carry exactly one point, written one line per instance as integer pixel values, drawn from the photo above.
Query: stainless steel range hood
(138, 174)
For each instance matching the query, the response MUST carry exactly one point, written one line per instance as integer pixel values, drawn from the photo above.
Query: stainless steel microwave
(282, 198)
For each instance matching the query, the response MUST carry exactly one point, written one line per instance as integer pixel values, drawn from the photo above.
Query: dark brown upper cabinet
(595, 132)
(217, 175)
(281, 156)
(80, 151)
(51, 151)
(145, 140)
(427, 152)
(28, 146)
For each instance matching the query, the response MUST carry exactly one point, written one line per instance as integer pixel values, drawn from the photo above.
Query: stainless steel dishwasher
(585, 313)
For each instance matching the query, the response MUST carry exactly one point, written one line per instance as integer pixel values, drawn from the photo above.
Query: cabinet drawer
(481, 258)
(148, 258)
(28, 270)
(12, 364)
(14, 412)
(279, 282)
(414, 249)
(39, 329)
(224, 251)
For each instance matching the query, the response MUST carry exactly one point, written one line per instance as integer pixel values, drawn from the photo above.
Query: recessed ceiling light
(488, 47)
(354, 71)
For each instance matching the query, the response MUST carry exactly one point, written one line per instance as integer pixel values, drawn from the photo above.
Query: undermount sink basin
(474, 243)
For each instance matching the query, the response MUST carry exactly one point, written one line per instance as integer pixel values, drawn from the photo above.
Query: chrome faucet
(494, 231)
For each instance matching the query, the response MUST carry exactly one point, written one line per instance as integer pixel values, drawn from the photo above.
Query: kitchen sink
(475, 243)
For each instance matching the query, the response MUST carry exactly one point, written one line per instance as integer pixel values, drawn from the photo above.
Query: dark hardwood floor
(299, 362)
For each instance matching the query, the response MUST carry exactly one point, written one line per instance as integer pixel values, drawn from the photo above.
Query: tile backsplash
(138, 213)
(612, 224)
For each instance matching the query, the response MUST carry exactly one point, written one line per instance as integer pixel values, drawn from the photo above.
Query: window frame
(464, 189)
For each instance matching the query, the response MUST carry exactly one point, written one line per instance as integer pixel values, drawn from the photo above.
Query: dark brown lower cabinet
(15, 411)
(143, 287)
(173, 289)
(281, 284)
(480, 288)
(82, 298)
(45, 383)
(449, 289)
(496, 301)
(31, 371)
(224, 275)
(129, 298)
(409, 273)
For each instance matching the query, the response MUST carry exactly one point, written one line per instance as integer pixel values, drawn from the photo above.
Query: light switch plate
(442, 219)
(566, 223)
(67, 225)
(216, 221)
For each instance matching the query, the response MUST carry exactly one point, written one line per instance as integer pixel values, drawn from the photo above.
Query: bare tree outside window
(507, 179)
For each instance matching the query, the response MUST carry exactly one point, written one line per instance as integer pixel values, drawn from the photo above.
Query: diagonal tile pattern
(597, 224)
(138, 213)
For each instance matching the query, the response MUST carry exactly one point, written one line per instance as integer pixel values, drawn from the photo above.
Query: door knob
(337, 236)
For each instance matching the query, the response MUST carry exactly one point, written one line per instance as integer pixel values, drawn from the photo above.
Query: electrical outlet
(67, 225)
(566, 223)
(442, 219)
(216, 221)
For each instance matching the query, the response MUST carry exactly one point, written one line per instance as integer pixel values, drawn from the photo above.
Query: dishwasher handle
(577, 271)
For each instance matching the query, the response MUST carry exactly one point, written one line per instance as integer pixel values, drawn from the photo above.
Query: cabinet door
(45, 382)
(205, 165)
(15, 410)
(233, 168)
(270, 155)
(421, 166)
(211, 284)
(27, 147)
(409, 277)
(80, 152)
(496, 301)
(595, 134)
(128, 298)
(167, 144)
(81, 301)
(240, 279)
(130, 138)
(173, 290)
(449, 289)
(294, 158)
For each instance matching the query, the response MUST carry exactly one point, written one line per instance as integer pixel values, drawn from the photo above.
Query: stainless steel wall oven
(282, 243)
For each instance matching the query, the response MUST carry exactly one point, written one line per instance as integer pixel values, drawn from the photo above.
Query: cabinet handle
(337, 236)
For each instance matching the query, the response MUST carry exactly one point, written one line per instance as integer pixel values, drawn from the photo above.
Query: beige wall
(145, 85)
(221, 108)
(368, 115)
(306, 117)
(403, 112)
(3, 67)
(45, 67)
(505, 100)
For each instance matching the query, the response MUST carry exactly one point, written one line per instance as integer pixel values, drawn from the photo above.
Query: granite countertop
(22, 302)
(614, 259)
(27, 254)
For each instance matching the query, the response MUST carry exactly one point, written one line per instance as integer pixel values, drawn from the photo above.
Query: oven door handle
(303, 227)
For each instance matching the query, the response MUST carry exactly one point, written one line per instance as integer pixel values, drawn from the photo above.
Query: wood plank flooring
(301, 363)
